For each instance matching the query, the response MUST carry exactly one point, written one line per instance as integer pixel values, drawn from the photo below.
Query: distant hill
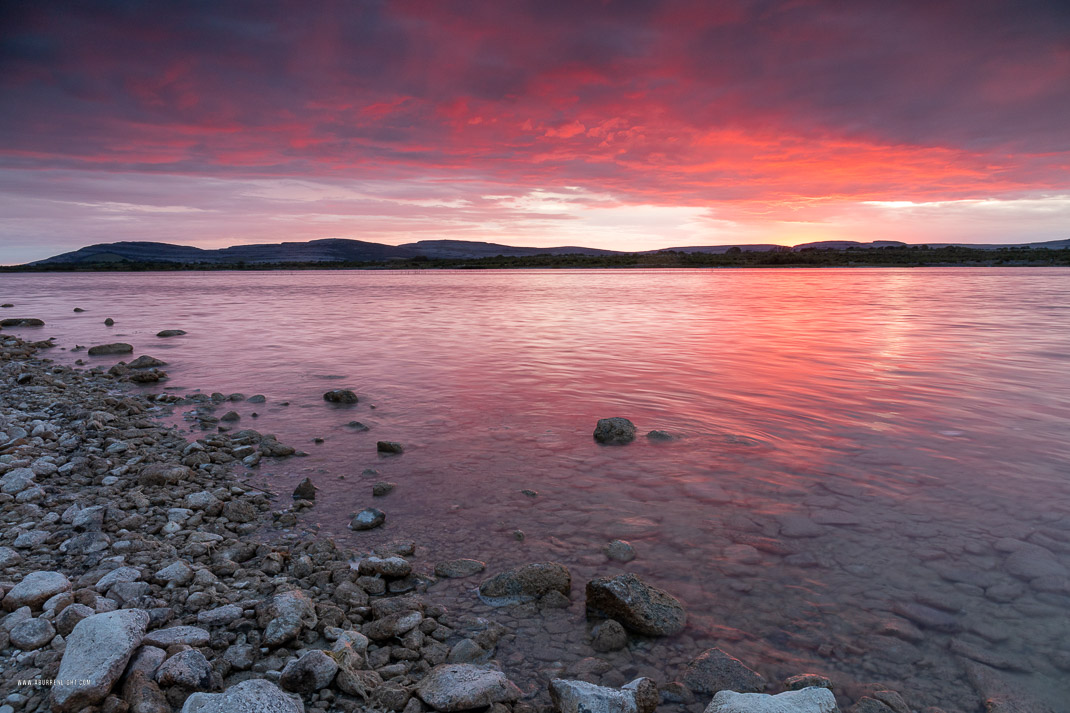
(356, 251)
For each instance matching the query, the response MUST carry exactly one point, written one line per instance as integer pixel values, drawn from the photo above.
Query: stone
(305, 490)
(143, 695)
(639, 696)
(459, 568)
(340, 396)
(713, 670)
(189, 635)
(256, 695)
(35, 589)
(116, 576)
(458, 687)
(96, 654)
(286, 616)
(163, 474)
(113, 348)
(807, 700)
(383, 488)
(619, 551)
(239, 511)
(614, 431)
(240, 656)
(806, 680)
(527, 583)
(1032, 562)
(660, 436)
(640, 607)
(389, 447)
(188, 669)
(865, 704)
(367, 519)
(312, 672)
(146, 362)
(22, 322)
(608, 635)
(927, 617)
(176, 574)
(9, 557)
(32, 634)
(109, 322)
(220, 616)
(393, 625)
(170, 333)
(466, 651)
(16, 480)
(67, 619)
(147, 660)
(385, 566)
(230, 416)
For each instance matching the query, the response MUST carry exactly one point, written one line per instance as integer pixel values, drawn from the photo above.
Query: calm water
(872, 438)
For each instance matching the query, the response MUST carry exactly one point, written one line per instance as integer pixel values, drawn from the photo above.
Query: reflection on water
(852, 444)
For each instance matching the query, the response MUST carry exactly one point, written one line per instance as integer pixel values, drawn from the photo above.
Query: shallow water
(874, 439)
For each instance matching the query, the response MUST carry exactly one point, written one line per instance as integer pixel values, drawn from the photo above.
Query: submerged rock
(713, 670)
(614, 431)
(608, 636)
(340, 396)
(390, 447)
(367, 519)
(458, 687)
(641, 607)
(114, 348)
(619, 551)
(146, 362)
(456, 569)
(639, 696)
(527, 583)
(660, 436)
(305, 490)
(807, 700)
(253, 696)
(170, 333)
(21, 322)
(96, 654)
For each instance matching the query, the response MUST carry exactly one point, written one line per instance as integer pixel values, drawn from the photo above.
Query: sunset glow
(622, 125)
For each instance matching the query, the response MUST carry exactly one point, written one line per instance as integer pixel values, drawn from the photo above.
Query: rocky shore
(139, 573)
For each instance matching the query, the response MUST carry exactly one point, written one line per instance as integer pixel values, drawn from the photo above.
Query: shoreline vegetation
(140, 572)
(891, 256)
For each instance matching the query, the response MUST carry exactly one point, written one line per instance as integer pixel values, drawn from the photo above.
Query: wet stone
(367, 519)
(713, 670)
(807, 700)
(614, 431)
(640, 607)
(456, 569)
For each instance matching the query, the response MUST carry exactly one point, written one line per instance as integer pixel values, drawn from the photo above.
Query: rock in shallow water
(305, 490)
(113, 348)
(367, 519)
(641, 607)
(252, 696)
(527, 583)
(639, 696)
(96, 654)
(458, 687)
(713, 670)
(455, 569)
(614, 431)
(807, 700)
(340, 396)
(170, 333)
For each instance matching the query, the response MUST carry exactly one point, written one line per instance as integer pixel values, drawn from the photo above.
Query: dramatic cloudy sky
(611, 123)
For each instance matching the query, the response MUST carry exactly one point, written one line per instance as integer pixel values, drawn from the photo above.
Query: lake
(861, 455)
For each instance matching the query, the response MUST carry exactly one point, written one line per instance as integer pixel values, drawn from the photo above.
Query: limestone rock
(458, 687)
(641, 607)
(807, 700)
(96, 654)
(639, 696)
(253, 696)
(614, 431)
(527, 583)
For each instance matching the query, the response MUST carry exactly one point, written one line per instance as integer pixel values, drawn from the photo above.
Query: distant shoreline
(907, 256)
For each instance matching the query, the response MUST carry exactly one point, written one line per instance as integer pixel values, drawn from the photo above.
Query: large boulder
(713, 670)
(526, 583)
(114, 348)
(458, 687)
(35, 589)
(807, 700)
(640, 607)
(253, 696)
(639, 696)
(96, 654)
(614, 431)
(455, 569)
(285, 616)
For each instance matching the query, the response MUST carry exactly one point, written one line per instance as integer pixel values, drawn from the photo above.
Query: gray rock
(456, 569)
(32, 539)
(22, 322)
(807, 700)
(526, 583)
(619, 551)
(230, 416)
(713, 670)
(257, 399)
(67, 619)
(163, 474)
(121, 574)
(1032, 562)
(146, 362)
(253, 696)
(170, 333)
(640, 607)
(9, 557)
(16, 480)
(143, 695)
(389, 447)
(458, 687)
(240, 656)
(189, 635)
(147, 660)
(35, 589)
(609, 635)
(188, 669)
(385, 566)
(807, 680)
(113, 348)
(926, 616)
(176, 574)
(340, 396)
(96, 654)
(383, 488)
(350, 649)
(285, 616)
(639, 696)
(305, 490)
(614, 431)
(219, 616)
(393, 625)
(660, 436)
(308, 674)
(367, 519)
(467, 651)
(32, 634)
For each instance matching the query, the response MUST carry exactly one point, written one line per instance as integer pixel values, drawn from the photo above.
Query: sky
(620, 124)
